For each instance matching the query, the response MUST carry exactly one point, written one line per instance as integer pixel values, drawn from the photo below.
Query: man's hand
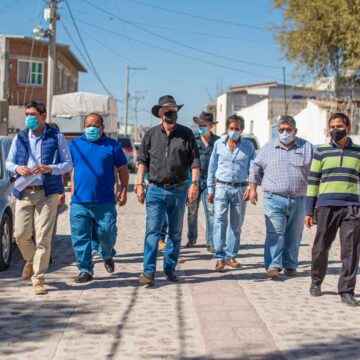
(140, 193)
(309, 221)
(23, 171)
(193, 192)
(61, 200)
(42, 169)
(253, 196)
(122, 198)
(211, 198)
(246, 194)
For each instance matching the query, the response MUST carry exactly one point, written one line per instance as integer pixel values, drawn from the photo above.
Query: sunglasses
(288, 130)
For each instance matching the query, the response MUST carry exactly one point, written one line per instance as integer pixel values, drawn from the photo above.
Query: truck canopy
(69, 110)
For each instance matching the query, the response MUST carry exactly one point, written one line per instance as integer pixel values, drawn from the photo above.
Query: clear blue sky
(140, 33)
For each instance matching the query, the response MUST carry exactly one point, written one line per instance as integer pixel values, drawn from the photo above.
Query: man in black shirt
(167, 153)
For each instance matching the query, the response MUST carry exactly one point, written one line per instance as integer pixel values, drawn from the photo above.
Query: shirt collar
(335, 145)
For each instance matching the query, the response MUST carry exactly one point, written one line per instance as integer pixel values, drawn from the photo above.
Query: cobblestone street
(237, 314)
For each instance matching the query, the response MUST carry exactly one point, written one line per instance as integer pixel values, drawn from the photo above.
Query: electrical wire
(173, 41)
(86, 51)
(169, 51)
(195, 15)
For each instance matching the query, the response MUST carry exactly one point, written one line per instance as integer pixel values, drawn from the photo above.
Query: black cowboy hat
(204, 119)
(164, 101)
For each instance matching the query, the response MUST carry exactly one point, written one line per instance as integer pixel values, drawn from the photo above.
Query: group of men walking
(182, 168)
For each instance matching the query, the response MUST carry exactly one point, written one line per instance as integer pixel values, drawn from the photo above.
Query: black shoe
(83, 277)
(190, 243)
(147, 279)
(315, 290)
(109, 265)
(171, 276)
(349, 299)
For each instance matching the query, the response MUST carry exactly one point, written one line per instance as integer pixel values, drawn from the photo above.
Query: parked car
(129, 151)
(7, 204)
(253, 139)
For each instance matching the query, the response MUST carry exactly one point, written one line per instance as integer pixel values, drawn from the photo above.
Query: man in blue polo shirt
(93, 203)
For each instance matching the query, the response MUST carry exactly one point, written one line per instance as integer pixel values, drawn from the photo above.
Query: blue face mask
(203, 130)
(92, 133)
(235, 135)
(31, 122)
(286, 137)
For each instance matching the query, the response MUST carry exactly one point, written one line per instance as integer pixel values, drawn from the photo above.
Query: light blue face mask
(203, 130)
(31, 122)
(235, 135)
(92, 133)
(286, 137)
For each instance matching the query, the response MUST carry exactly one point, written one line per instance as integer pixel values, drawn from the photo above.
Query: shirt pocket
(298, 159)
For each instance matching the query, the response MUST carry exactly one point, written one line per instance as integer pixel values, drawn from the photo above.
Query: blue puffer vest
(49, 152)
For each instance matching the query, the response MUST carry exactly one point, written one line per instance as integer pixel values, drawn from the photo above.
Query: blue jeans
(86, 218)
(95, 245)
(164, 229)
(228, 197)
(284, 220)
(160, 202)
(192, 217)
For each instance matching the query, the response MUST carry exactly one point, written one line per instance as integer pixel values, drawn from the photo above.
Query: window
(59, 77)
(67, 83)
(74, 86)
(30, 72)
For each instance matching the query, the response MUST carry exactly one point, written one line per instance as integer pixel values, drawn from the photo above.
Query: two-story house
(23, 74)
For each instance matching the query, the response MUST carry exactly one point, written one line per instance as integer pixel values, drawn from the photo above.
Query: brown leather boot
(220, 265)
(28, 271)
(232, 263)
(39, 289)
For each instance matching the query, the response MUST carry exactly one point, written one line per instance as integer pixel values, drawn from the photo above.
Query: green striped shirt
(334, 176)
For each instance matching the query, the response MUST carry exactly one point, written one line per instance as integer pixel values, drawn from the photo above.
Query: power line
(168, 51)
(86, 51)
(195, 15)
(173, 41)
(198, 33)
(132, 62)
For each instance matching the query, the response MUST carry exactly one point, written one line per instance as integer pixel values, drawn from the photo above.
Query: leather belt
(35, 187)
(167, 186)
(235, 184)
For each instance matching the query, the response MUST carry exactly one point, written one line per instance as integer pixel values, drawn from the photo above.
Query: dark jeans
(160, 202)
(329, 220)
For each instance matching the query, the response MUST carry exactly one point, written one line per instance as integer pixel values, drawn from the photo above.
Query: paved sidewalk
(238, 314)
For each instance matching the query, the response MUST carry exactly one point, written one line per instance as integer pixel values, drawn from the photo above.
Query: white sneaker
(95, 255)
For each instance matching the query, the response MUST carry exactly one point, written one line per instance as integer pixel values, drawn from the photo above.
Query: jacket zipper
(341, 157)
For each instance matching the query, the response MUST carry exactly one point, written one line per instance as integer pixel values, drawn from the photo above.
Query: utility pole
(127, 95)
(51, 56)
(137, 99)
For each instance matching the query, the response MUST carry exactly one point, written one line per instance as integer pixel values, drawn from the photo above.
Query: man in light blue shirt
(41, 155)
(282, 167)
(227, 183)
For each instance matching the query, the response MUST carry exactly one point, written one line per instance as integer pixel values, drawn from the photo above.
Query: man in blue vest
(39, 155)
(95, 156)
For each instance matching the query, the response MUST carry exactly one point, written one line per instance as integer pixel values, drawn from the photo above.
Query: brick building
(23, 73)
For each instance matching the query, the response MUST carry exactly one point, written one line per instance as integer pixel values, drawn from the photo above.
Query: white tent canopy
(82, 103)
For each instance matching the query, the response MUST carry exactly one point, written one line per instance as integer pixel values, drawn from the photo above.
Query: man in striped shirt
(332, 189)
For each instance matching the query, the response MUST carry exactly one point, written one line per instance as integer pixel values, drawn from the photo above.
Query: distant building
(23, 73)
(261, 104)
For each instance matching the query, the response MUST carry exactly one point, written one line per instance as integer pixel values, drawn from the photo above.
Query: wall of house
(21, 49)
(256, 119)
(312, 123)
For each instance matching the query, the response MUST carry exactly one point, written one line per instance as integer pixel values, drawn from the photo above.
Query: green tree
(322, 37)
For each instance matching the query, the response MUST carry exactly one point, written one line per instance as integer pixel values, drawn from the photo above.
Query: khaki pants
(35, 209)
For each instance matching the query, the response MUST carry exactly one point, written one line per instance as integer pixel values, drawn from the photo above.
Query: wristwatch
(195, 182)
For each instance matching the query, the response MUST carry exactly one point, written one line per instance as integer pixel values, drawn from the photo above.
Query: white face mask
(286, 137)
